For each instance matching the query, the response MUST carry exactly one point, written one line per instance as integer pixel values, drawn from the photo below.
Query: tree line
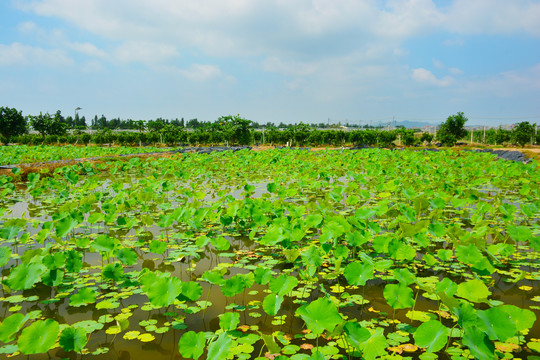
(228, 130)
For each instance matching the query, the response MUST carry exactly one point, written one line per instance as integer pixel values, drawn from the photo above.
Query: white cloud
(88, 49)
(198, 72)
(494, 17)
(19, 54)
(146, 52)
(425, 76)
(289, 68)
(455, 71)
(507, 84)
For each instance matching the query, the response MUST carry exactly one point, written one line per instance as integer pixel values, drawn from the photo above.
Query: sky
(356, 61)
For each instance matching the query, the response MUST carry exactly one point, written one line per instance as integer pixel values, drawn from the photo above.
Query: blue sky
(279, 61)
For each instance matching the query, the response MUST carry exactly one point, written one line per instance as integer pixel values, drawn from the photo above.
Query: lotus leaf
(320, 315)
(191, 344)
(39, 337)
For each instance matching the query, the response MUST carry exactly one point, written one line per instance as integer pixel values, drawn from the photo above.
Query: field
(277, 254)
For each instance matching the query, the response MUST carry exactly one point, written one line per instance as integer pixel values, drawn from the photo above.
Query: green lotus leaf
(53, 277)
(73, 339)
(478, 343)
(74, 261)
(127, 256)
(314, 220)
(65, 225)
(113, 272)
(164, 291)
(283, 284)
(271, 187)
(95, 217)
(85, 296)
(520, 233)
(54, 261)
(191, 344)
(219, 349)
(38, 337)
(473, 290)
(213, 277)
(229, 321)
(522, 318)
(404, 276)
(398, 296)
(262, 275)
(11, 325)
(375, 346)
(158, 246)
(496, 323)
(357, 238)
(320, 315)
(358, 273)
(312, 256)
(272, 304)
(356, 334)
(5, 255)
(220, 243)
(104, 243)
(10, 232)
(24, 276)
(431, 335)
(190, 291)
(232, 286)
(446, 286)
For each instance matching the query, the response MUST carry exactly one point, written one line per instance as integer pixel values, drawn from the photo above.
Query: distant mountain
(410, 124)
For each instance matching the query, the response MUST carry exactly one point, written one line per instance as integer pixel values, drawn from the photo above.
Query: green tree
(522, 133)
(427, 137)
(452, 129)
(46, 124)
(235, 129)
(12, 123)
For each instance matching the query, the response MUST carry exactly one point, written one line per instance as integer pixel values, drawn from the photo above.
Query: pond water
(189, 215)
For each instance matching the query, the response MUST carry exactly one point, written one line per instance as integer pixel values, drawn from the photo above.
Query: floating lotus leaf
(83, 297)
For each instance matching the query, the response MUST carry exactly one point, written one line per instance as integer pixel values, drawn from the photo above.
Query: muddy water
(165, 345)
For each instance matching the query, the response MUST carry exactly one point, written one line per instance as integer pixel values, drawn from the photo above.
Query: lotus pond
(279, 254)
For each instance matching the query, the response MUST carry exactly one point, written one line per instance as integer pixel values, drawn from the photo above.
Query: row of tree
(236, 130)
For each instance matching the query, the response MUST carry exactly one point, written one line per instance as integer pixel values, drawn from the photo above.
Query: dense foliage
(452, 129)
(12, 123)
(321, 255)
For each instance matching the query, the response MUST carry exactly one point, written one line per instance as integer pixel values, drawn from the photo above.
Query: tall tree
(12, 123)
(452, 129)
